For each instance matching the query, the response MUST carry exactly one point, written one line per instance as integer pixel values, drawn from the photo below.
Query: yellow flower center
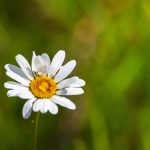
(43, 87)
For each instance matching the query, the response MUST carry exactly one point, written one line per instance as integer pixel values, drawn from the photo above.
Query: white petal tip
(25, 117)
(63, 51)
(35, 108)
(43, 112)
(9, 95)
(54, 113)
(6, 66)
(84, 82)
(73, 62)
(82, 91)
(5, 85)
(17, 56)
(33, 53)
(73, 107)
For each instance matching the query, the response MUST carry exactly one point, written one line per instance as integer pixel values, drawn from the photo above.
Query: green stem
(35, 131)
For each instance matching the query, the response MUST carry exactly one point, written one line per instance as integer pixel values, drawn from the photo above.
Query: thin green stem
(35, 131)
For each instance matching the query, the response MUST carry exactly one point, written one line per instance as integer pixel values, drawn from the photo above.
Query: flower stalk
(35, 131)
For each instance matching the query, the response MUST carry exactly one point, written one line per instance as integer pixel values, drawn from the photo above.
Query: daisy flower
(43, 84)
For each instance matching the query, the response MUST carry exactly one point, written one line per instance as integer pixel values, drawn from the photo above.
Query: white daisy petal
(46, 61)
(63, 101)
(12, 93)
(70, 82)
(24, 65)
(56, 62)
(18, 78)
(33, 63)
(14, 85)
(15, 69)
(42, 64)
(70, 91)
(27, 108)
(36, 105)
(41, 105)
(65, 71)
(39, 65)
(52, 107)
(16, 74)
(44, 105)
(25, 94)
(78, 83)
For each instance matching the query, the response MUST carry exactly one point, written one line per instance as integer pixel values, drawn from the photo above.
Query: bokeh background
(111, 42)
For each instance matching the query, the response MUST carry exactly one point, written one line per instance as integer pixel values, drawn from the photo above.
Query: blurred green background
(111, 42)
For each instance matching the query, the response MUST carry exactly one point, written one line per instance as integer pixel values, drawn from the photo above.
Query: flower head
(43, 84)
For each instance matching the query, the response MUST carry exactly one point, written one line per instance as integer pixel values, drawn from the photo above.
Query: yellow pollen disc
(43, 87)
